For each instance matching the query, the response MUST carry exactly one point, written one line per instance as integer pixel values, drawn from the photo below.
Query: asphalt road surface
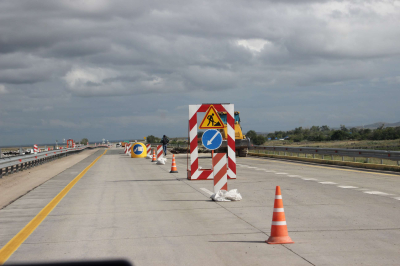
(134, 209)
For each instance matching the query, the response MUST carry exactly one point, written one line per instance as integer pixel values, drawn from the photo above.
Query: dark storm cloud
(61, 61)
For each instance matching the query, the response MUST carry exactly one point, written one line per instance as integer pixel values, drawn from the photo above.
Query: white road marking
(377, 193)
(294, 176)
(398, 198)
(347, 187)
(251, 167)
(267, 171)
(281, 173)
(311, 179)
(260, 169)
(328, 183)
(207, 191)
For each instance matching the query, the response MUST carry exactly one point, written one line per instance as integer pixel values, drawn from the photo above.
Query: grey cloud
(298, 56)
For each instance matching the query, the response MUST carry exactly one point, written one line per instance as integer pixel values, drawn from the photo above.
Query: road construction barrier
(148, 147)
(220, 172)
(279, 232)
(194, 173)
(160, 151)
(138, 150)
(154, 156)
(35, 148)
(129, 149)
(174, 169)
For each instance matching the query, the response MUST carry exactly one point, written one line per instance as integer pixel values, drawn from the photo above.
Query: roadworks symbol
(211, 119)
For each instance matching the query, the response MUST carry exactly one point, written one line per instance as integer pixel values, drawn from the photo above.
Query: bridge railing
(18, 163)
(354, 153)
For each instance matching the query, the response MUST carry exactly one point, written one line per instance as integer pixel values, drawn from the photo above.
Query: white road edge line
(377, 193)
(207, 191)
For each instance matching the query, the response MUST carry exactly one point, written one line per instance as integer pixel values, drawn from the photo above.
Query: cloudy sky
(128, 69)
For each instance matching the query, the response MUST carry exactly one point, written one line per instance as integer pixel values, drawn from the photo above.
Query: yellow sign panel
(211, 119)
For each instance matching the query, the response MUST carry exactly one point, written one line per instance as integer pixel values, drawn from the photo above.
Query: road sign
(137, 149)
(211, 119)
(212, 139)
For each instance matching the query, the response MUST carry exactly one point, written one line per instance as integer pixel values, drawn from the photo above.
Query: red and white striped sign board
(148, 147)
(159, 151)
(129, 151)
(194, 173)
(35, 148)
(220, 172)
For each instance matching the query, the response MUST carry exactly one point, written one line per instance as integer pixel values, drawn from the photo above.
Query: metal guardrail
(388, 155)
(17, 163)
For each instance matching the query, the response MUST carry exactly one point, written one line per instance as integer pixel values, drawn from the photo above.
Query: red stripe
(231, 165)
(219, 175)
(217, 157)
(193, 145)
(194, 166)
(231, 143)
(204, 174)
(193, 122)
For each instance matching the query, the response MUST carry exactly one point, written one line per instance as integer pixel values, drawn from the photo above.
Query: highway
(136, 210)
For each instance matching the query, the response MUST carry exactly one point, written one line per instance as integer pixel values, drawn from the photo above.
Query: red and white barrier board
(220, 172)
(35, 148)
(194, 173)
(128, 149)
(148, 147)
(159, 151)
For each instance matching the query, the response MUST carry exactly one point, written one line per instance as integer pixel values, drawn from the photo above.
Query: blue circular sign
(212, 139)
(138, 149)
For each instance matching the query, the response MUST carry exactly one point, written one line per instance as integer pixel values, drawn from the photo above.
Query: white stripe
(278, 196)
(347, 187)
(193, 133)
(220, 184)
(219, 165)
(267, 171)
(328, 183)
(231, 174)
(377, 193)
(193, 109)
(196, 174)
(279, 223)
(294, 176)
(231, 154)
(252, 167)
(312, 179)
(397, 198)
(260, 169)
(194, 155)
(281, 173)
(207, 191)
(278, 210)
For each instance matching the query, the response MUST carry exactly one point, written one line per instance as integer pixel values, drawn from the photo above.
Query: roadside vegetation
(324, 137)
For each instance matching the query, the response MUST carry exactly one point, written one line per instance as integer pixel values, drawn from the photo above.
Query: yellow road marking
(19, 238)
(348, 170)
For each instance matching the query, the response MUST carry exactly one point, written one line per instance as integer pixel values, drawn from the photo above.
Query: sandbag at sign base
(149, 156)
(223, 195)
(161, 161)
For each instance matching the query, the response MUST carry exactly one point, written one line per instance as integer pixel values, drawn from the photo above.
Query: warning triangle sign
(211, 119)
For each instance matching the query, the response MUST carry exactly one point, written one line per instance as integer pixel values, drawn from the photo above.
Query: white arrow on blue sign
(212, 139)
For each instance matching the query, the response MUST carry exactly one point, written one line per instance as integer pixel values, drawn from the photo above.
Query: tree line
(324, 133)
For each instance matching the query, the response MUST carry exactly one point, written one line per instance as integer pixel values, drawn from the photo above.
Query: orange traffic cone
(173, 166)
(154, 157)
(279, 233)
